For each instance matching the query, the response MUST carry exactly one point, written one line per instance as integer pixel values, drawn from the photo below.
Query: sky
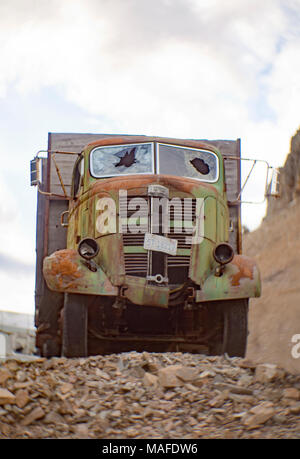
(180, 68)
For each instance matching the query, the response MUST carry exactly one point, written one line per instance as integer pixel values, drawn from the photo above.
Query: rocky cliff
(274, 318)
(289, 179)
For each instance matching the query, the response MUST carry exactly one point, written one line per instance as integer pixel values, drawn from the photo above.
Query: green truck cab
(147, 255)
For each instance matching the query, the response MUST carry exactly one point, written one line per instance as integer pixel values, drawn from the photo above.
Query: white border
(118, 174)
(189, 148)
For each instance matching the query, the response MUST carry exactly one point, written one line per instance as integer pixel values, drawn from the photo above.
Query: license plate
(160, 244)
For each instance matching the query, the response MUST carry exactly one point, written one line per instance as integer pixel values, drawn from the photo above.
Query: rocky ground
(132, 395)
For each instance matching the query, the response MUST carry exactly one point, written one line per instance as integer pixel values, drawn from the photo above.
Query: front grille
(136, 264)
(136, 259)
(187, 214)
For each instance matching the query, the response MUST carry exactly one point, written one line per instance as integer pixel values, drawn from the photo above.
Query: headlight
(223, 253)
(88, 248)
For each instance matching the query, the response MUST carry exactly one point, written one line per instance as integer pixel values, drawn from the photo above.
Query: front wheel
(232, 317)
(235, 330)
(75, 326)
(50, 348)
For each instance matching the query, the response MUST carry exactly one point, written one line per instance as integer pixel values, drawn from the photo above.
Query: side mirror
(35, 171)
(273, 188)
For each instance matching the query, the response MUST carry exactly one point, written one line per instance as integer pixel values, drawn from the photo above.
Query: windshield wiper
(128, 159)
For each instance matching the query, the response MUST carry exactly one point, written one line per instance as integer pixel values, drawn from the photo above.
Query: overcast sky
(183, 68)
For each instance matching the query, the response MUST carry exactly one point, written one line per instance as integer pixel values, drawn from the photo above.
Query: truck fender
(65, 271)
(240, 279)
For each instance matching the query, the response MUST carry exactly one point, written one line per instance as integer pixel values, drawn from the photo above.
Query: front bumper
(241, 279)
(66, 271)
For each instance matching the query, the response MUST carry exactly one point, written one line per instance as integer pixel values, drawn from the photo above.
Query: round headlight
(223, 253)
(88, 248)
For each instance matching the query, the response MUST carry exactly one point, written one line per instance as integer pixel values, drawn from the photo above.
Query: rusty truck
(139, 246)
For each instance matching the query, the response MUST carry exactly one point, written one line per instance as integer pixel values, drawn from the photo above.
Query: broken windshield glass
(128, 159)
(122, 159)
(188, 162)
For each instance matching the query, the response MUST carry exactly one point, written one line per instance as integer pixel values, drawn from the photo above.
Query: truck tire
(75, 326)
(48, 307)
(233, 318)
(235, 331)
(50, 349)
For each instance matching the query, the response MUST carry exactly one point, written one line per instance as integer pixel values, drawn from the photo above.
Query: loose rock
(22, 398)
(6, 397)
(268, 372)
(259, 415)
(292, 393)
(150, 380)
(167, 376)
(4, 375)
(34, 415)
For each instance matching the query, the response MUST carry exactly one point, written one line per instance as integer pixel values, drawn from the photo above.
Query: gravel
(147, 395)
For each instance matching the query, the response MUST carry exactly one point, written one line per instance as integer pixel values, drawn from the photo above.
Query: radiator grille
(186, 214)
(136, 260)
(136, 263)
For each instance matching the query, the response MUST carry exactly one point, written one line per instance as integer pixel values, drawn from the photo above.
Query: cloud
(179, 68)
(109, 55)
(14, 266)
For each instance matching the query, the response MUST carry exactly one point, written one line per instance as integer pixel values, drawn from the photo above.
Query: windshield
(122, 160)
(188, 162)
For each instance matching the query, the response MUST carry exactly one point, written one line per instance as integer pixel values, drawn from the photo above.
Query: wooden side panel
(66, 142)
(49, 237)
(57, 233)
(73, 142)
(65, 164)
(40, 230)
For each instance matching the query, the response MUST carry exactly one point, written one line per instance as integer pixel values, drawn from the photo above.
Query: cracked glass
(188, 162)
(122, 160)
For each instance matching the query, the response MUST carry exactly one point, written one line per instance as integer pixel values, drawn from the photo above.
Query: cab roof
(126, 139)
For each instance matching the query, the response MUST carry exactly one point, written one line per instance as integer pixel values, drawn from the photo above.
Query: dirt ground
(275, 317)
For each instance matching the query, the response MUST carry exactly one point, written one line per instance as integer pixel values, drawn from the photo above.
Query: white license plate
(160, 244)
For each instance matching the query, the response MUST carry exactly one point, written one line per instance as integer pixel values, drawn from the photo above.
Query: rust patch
(63, 267)
(65, 271)
(245, 267)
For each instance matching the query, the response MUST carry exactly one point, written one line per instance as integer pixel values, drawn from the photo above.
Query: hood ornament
(158, 191)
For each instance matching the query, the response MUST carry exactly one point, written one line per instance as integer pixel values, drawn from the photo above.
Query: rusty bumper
(138, 291)
(241, 279)
(65, 271)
